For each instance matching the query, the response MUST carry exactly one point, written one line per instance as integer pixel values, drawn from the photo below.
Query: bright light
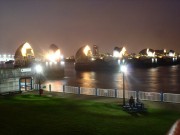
(171, 54)
(156, 60)
(61, 56)
(26, 47)
(54, 56)
(123, 51)
(57, 54)
(152, 60)
(149, 53)
(86, 50)
(92, 59)
(118, 54)
(39, 68)
(124, 68)
(62, 62)
(119, 61)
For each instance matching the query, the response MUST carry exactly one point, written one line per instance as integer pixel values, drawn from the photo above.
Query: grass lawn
(32, 114)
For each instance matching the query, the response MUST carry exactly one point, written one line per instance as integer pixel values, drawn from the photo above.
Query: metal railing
(152, 96)
(169, 97)
(140, 95)
(88, 91)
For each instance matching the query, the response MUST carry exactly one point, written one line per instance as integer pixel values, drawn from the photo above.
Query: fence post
(162, 98)
(50, 87)
(115, 93)
(79, 90)
(19, 85)
(96, 92)
(137, 95)
(63, 88)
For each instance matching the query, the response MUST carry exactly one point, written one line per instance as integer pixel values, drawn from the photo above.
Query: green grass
(33, 114)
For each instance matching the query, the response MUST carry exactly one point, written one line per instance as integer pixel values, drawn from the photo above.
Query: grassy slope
(31, 114)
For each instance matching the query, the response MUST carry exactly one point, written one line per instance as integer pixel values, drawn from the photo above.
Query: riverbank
(59, 113)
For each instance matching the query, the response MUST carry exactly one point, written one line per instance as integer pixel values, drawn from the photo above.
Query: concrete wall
(7, 85)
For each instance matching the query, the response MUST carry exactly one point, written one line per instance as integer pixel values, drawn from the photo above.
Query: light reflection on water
(55, 85)
(165, 79)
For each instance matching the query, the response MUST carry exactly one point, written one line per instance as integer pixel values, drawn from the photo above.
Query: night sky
(70, 24)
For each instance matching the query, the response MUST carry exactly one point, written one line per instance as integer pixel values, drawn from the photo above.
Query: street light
(39, 71)
(123, 70)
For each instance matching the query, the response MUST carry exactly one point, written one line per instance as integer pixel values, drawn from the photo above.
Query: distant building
(119, 52)
(171, 53)
(95, 50)
(54, 54)
(83, 54)
(147, 52)
(24, 55)
(160, 53)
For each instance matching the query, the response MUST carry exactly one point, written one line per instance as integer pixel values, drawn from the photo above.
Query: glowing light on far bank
(62, 62)
(171, 54)
(123, 51)
(116, 54)
(86, 50)
(120, 54)
(149, 53)
(26, 47)
(54, 56)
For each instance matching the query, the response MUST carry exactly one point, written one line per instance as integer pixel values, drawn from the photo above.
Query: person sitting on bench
(131, 102)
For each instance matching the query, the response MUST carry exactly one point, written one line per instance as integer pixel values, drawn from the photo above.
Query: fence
(169, 97)
(140, 95)
(152, 96)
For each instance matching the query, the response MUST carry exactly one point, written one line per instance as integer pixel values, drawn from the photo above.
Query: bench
(137, 108)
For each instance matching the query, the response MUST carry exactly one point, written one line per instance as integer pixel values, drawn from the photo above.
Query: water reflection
(87, 79)
(153, 74)
(54, 85)
(158, 79)
(174, 76)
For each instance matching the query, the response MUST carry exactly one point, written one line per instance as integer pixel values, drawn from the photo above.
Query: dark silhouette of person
(131, 102)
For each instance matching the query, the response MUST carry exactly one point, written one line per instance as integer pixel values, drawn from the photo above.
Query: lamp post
(123, 70)
(39, 70)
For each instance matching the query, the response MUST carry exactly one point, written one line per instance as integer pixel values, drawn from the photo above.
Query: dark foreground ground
(67, 114)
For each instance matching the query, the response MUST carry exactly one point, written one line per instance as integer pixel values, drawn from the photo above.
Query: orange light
(86, 50)
(54, 56)
(24, 49)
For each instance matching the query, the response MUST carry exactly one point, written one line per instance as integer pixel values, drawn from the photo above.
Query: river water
(159, 79)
